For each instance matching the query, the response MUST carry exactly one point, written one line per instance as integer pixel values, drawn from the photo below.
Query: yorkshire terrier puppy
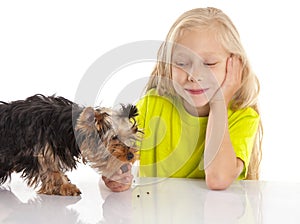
(43, 137)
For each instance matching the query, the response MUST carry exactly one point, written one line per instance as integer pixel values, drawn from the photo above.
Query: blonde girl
(199, 113)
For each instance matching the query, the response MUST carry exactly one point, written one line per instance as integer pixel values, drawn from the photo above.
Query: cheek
(178, 76)
(218, 76)
(179, 79)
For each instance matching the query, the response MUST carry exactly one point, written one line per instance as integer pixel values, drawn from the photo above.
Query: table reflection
(154, 200)
(39, 209)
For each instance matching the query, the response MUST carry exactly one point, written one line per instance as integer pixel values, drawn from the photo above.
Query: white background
(47, 46)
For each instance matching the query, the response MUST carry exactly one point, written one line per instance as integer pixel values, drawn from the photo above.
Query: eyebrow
(207, 56)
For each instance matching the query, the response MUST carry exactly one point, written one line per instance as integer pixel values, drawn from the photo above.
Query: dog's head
(111, 136)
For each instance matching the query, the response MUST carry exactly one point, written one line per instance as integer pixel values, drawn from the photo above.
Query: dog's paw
(69, 190)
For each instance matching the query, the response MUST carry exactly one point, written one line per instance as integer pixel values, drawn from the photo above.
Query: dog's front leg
(53, 180)
(57, 183)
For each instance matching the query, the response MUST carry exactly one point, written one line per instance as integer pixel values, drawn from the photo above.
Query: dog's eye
(114, 137)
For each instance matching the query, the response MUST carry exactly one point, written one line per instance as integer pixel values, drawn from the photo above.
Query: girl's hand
(232, 81)
(120, 181)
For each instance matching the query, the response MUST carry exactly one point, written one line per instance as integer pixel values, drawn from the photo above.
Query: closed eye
(210, 64)
(181, 64)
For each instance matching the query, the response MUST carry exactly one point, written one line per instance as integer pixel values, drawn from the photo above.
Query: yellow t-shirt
(173, 142)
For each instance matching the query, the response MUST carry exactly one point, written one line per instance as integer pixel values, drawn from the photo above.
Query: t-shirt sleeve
(243, 125)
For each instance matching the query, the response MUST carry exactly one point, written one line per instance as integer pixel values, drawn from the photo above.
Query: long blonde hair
(227, 34)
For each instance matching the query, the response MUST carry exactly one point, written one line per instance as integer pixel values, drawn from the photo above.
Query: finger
(123, 169)
(234, 72)
(117, 186)
(123, 178)
(229, 66)
(124, 184)
(114, 186)
(126, 179)
(123, 175)
(237, 65)
(120, 188)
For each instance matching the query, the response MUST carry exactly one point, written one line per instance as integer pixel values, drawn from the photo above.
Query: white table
(155, 200)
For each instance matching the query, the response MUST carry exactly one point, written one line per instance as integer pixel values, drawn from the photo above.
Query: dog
(42, 137)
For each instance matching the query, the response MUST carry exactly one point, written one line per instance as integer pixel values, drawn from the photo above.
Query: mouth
(196, 91)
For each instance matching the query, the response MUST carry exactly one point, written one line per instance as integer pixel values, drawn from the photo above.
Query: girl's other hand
(120, 181)
(233, 78)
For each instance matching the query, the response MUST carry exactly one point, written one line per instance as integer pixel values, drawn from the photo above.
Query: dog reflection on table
(43, 137)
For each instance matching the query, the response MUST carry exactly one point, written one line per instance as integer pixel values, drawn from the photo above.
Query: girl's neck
(196, 111)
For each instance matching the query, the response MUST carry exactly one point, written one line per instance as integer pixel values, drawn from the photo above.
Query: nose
(130, 156)
(191, 78)
(197, 71)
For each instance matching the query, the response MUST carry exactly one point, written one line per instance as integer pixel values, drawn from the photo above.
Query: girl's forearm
(220, 162)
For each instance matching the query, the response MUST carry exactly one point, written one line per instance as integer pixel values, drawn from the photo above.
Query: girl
(199, 114)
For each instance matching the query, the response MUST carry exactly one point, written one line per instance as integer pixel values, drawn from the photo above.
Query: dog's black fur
(29, 127)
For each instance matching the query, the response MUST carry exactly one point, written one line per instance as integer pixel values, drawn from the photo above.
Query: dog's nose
(130, 156)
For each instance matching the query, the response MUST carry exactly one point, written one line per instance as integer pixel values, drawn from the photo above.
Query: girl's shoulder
(243, 117)
(154, 104)
(247, 111)
(153, 97)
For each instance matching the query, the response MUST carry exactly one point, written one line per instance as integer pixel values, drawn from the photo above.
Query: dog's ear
(129, 111)
(88, 115)
(102, 121)
(96, 118)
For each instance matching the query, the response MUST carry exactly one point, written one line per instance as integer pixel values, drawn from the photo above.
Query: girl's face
(198, 68)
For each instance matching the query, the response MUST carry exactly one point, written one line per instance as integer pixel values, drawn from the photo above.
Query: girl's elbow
(218, 182)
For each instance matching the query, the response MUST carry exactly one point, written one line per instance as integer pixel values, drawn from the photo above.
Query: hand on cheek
(232, 81)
